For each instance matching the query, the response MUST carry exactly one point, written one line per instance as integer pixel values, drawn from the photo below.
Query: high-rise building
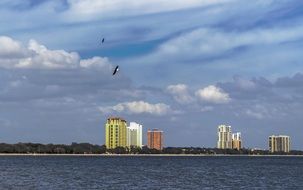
(280, 143)
(236, 141)
(115, 133)
(155, 139)
(224, 137)
(134, 135)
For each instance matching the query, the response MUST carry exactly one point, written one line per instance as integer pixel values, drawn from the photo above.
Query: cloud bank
(36, 56)
(138, 107)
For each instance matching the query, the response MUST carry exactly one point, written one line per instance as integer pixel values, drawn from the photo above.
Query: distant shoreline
(148, 155)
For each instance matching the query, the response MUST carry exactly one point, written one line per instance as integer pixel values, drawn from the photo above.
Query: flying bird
(116, 70)
(103, 40)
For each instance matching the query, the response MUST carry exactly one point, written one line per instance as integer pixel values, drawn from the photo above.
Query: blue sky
(186, 67)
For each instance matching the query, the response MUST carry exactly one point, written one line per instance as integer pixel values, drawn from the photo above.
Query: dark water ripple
(56, 172)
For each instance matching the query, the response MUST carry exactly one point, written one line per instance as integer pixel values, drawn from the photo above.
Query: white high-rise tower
(134, 135)
(224, 137)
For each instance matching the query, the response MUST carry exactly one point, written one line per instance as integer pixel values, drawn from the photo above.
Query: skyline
(185, 67)
(226, 138)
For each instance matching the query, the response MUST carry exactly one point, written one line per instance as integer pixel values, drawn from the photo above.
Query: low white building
(134, 135)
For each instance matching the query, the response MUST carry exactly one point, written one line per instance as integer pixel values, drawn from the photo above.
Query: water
(69, 172)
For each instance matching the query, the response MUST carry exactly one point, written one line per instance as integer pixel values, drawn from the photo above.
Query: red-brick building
(155, 139)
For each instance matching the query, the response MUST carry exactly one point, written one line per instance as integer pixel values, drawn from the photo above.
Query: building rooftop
(116, 118)
(278, 136)
(154, 130)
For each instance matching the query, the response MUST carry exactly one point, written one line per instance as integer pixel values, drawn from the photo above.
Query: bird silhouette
(116, 70)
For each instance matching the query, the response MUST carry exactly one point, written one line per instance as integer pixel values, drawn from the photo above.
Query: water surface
(95, 172)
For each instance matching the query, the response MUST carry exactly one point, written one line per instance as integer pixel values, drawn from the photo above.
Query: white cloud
(35, 55)
(213, 94)
(138, 107)
(44, 58)
(10, 48)
(180, 93)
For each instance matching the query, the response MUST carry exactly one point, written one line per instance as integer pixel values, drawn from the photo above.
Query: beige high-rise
(224, 137)
(236, 141)
(280, 143)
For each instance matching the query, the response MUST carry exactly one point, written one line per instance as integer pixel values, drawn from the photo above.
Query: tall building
(280, 143)
(155, 139)
(134, 135)
(224, 137)
(115, 132)
(236, 141)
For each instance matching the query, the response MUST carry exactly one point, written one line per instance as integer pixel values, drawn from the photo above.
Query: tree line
(87, 148)
(32, 148)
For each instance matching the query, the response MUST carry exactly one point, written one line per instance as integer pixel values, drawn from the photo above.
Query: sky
(185, 67)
